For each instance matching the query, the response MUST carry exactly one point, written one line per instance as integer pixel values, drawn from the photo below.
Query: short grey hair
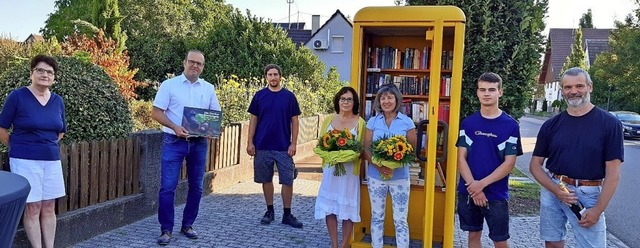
(576, 71)
(387, 89)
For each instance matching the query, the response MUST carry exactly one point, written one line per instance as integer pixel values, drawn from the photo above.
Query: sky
(19, 18)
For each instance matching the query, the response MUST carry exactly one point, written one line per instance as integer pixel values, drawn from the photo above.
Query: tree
(577, 56)
(159, 37)
(86, 17)
(505, 37)
(254, 44)
(616, 73)
(106, 16)
(586, 21)
(60, 22)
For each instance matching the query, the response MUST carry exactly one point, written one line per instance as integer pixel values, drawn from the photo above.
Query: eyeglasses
(196, 63)
(346, 100)
(43, 71)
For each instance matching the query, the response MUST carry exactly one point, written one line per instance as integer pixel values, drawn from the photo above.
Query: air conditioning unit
(320, 44)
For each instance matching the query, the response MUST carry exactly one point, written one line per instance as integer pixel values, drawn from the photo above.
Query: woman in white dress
(339, 196)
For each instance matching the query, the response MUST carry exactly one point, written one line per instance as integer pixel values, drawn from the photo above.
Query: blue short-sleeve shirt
(399, 126)
(274, 110)
(488, 142)
(35, 127)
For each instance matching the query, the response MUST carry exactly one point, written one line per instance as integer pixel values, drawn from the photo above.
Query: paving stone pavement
(231, 218)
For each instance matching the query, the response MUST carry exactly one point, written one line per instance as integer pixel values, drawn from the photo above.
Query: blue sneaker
(189, 232)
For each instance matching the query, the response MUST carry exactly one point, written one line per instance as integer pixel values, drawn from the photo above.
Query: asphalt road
(623, 212)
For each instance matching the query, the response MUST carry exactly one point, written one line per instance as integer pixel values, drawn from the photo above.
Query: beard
(579, 101)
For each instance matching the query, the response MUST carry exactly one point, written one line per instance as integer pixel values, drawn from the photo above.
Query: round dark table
(14, 190)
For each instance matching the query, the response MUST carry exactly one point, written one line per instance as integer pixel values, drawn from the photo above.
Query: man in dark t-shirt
(583, 148)
(273, 136)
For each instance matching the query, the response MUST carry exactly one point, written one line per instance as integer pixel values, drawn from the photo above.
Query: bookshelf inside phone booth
(419, 49)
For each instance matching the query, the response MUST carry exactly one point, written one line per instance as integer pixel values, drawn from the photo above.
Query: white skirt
(339, 195)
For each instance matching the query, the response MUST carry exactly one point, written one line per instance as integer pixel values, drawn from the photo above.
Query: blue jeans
(174, 151)
(554, 215)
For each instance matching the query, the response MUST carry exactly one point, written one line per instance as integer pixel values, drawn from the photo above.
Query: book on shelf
(394, 58)
(445, 86)
(368, 110)
(407, 84)
(419, 111)
(447, 60)
(443, 112)
(201, 122)
(440, 178)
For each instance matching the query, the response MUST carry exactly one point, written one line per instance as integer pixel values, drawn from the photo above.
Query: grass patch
(542, 113)
(517, 173)
(524, 196)
(525, 190)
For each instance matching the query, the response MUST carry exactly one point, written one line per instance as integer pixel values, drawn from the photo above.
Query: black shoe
(267, 218)
(164, 238)
(189, 232)
(292, 221)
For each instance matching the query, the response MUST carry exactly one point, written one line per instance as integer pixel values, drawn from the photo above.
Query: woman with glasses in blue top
(389, 121)
(38, 120)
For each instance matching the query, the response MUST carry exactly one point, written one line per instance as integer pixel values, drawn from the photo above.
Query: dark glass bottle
(577, 207)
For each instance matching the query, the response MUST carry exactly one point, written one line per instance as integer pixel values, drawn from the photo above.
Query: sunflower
(402, 147)
(348, 134)
(325, 140)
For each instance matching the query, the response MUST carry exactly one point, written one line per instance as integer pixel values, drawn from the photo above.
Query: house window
(337, 44)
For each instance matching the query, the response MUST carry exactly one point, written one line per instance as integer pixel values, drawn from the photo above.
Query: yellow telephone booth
(420, 49)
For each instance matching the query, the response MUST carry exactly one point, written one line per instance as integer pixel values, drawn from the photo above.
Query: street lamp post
(289, 2)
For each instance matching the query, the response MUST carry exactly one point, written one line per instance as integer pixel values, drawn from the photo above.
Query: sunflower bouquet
(336, 147)
(392, 152)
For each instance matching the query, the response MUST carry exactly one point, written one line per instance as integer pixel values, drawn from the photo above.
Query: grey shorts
(263, 167)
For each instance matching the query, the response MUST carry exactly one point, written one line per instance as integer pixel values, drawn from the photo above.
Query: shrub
(141, 115)
(560, 105)
(9, 50)
(12, 51)
(94, 108)
(235, 95)
(106, 53)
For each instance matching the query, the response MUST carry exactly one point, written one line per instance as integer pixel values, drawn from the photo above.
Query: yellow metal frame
(435, 18)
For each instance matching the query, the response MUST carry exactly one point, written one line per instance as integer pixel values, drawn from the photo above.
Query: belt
(578, 182)
(198, 138)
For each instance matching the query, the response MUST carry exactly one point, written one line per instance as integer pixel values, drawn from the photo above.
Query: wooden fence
(96, 172)
(223, 152)
(99, 171)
